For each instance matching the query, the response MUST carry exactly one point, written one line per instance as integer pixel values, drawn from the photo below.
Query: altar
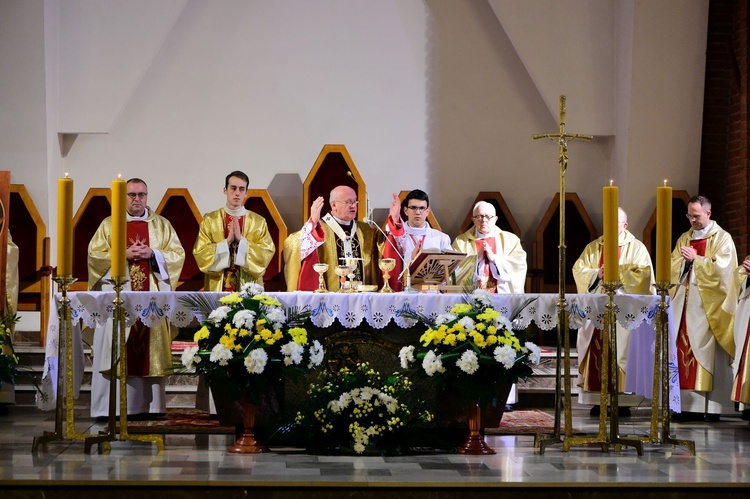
(346, 312)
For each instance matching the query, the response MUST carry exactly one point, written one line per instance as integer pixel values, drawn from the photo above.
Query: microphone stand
(407, 284)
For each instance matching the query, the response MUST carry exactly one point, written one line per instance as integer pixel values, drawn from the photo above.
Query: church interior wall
(442, 95)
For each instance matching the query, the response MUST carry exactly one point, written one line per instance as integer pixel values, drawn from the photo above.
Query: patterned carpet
(525, 423)
(181, 421)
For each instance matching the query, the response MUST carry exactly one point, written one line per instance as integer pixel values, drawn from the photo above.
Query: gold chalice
(342, 271)
(321, 268)
(386, 265)
(352, 263)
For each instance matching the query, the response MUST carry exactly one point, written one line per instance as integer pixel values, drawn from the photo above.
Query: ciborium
(342, 271)
(386, 265)
(321, 268)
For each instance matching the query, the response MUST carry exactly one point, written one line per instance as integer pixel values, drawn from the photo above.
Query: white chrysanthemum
(244, 319)
(256, 362)
(251, 289)
(292, 353)
(406, 355)
(189, 357)
(335, 406)
(503, 324)
(219, 314)
(483, 297)
(316, 354)
(444, 318)
(359, 448)
(467, 323)
(220, 354)
(432, 364)
(277, 316)
(535, 353)
(366, 393)
(468, 363)
(505, 355)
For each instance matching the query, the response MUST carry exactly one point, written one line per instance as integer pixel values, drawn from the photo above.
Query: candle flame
(119, 176)
(611, 182)
(665, 182)
(66, 175)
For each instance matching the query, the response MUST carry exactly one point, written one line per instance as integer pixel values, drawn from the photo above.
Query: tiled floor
(722, 460)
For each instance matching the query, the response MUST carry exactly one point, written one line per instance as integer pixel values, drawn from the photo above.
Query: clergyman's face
(698, 216)
(235, 192)
(344, 204)
(137, 199)
(484, 219)
(416, 212)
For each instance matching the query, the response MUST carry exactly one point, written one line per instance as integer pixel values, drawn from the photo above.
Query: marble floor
(722, 462)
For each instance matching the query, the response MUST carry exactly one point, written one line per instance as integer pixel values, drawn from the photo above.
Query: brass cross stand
(543, 440)
(119, 346)
(64, 382)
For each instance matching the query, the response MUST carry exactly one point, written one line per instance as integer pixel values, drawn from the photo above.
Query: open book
(432, 266)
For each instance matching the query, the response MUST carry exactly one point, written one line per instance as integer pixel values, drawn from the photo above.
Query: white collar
(701, 234)
(142, 218)
(239, 212)
(417, 231)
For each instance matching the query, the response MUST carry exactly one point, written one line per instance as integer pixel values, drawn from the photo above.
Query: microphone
(407, 286)
(368, 213)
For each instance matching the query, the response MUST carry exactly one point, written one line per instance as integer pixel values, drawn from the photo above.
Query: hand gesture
(601, 273)
(688, 253)
(416, 251)
(746, 266)
(488, 252)
(235, 234)
(138, 251)
(395, 210)
(315, 209)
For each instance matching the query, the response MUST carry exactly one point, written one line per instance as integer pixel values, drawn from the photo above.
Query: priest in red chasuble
(495, 259)
(330, 239)
(637, 277)
(155, 258)
(704, 263)
(233, 246)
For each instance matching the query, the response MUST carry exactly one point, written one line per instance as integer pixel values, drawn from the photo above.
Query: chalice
(342, 271)
(321, 268)
(352, 263)
(386, 265)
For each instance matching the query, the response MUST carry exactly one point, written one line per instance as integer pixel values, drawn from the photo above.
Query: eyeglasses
(692, 217)
(348, 203)
(139, 195)
(483, 217)
(418, 209)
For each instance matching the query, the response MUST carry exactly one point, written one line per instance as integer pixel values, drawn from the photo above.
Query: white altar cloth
(634, 312)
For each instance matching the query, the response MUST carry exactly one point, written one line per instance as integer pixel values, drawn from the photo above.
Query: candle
(611, 255)
(119, 228)
(664, 233)
(65, 226)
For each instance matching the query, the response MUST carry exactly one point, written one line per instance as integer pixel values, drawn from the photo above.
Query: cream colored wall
(437, 94)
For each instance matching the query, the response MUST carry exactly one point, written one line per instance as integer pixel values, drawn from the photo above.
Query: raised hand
(315, 210)
(395, 210)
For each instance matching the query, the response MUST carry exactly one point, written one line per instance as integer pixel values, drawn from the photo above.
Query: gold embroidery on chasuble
(231, 276)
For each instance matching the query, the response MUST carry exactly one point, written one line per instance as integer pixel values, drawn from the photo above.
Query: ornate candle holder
(64, 384)
(120, 376)
(321, 268)
(661, 366)
(386, 265)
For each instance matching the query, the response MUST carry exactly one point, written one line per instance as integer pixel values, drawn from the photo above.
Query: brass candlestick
(661, 366)
(64, 384)
(119, 362)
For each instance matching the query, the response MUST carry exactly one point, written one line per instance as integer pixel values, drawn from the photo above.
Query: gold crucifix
(562, 138)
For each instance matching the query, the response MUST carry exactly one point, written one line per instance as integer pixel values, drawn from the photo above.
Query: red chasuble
(231, 274)
(138, 342)
(486, 280)
(687, 364)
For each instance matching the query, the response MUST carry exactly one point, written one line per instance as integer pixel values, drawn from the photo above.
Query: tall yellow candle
(611, 255)
(664, 233)
(119, 228)
(65, 226)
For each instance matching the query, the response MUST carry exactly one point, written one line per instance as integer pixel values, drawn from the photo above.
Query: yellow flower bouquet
(249, 341)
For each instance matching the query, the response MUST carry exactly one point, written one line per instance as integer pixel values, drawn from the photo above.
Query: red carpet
(181, 421)
(526, 423)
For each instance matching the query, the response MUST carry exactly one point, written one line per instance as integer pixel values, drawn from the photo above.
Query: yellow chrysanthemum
(202, 334)
(299, 335)
(461, 308)
(230, 299)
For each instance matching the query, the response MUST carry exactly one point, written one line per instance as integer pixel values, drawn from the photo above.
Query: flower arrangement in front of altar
(472, 350)
(249, 341)
(356, 409)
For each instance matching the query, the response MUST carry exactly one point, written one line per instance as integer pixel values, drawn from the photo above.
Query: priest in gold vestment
(495, 259)
(233, 246)
(741, 364)
(637, 277)
(7, 391)
(330, 239)
(155, 258)
(704, 263)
